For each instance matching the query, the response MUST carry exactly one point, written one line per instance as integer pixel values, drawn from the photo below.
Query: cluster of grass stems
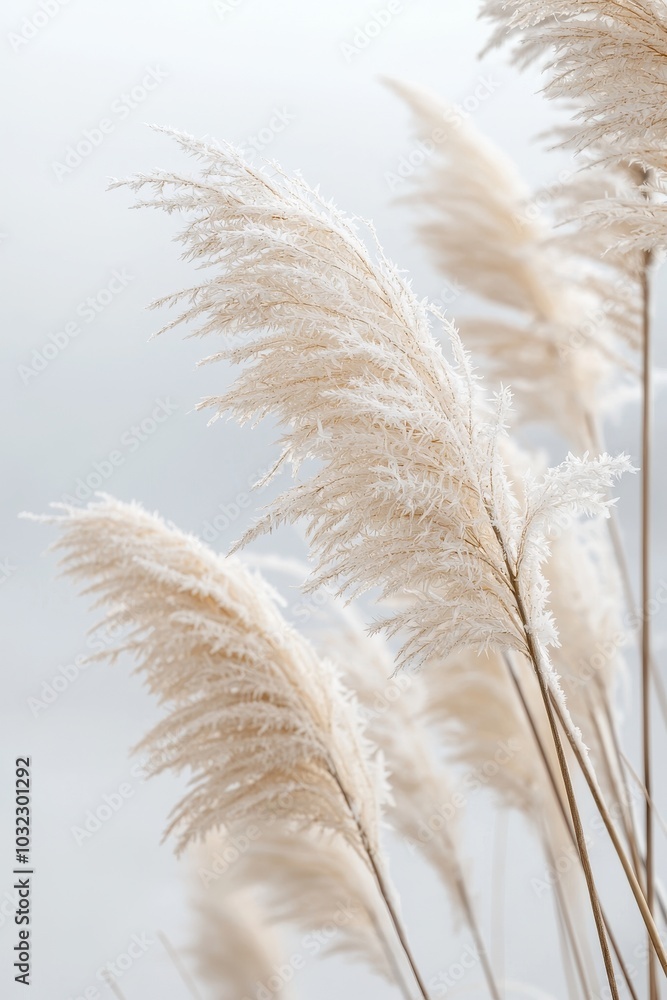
(420, 491)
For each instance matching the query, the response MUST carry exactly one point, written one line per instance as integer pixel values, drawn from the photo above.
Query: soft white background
(61, 240)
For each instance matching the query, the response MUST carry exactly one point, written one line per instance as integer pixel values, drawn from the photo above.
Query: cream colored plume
(393, 707)
(558, 339)
(235, 948)
(599, 255)
(607, 58)
(264, 726)
(587, 602)
(409, 492)
(586, 599)
(608, 62)
(314, 884)
(425, 809)
(479, 230)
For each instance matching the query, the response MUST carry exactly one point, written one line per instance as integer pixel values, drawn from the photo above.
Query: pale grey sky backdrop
(226, 71)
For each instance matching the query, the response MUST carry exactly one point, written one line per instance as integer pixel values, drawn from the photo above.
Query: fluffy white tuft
(560, 322)
(265, 727)
(609, 60)
(409, 493)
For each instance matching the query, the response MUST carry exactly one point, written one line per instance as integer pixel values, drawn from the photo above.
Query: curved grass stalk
(179, 966)
(646, 478)
(567, 818)
(466, 904)
(622, 794)
(547, 698)
(386, 894)
(499, 865)
(553, 783)
(611, 830)
(569, 941)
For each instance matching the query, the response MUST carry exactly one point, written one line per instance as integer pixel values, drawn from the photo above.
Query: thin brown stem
(569, 938)
(576, 820)
(536, 660)
(659, 895)
(384, 890)
(392, 961)
(597, 445)
(557, 792)
(477, 936)
(642, 791)
(396, 921)
(622, 794)
(183, 973)
(114, 987)
(572, 987)
(649, 667)
(631, 603)
(497, 948)
(625, 767)
(646, 472)
(611, 830)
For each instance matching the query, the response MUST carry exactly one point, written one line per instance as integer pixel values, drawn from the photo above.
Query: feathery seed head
(265, 726)
(410, 493)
